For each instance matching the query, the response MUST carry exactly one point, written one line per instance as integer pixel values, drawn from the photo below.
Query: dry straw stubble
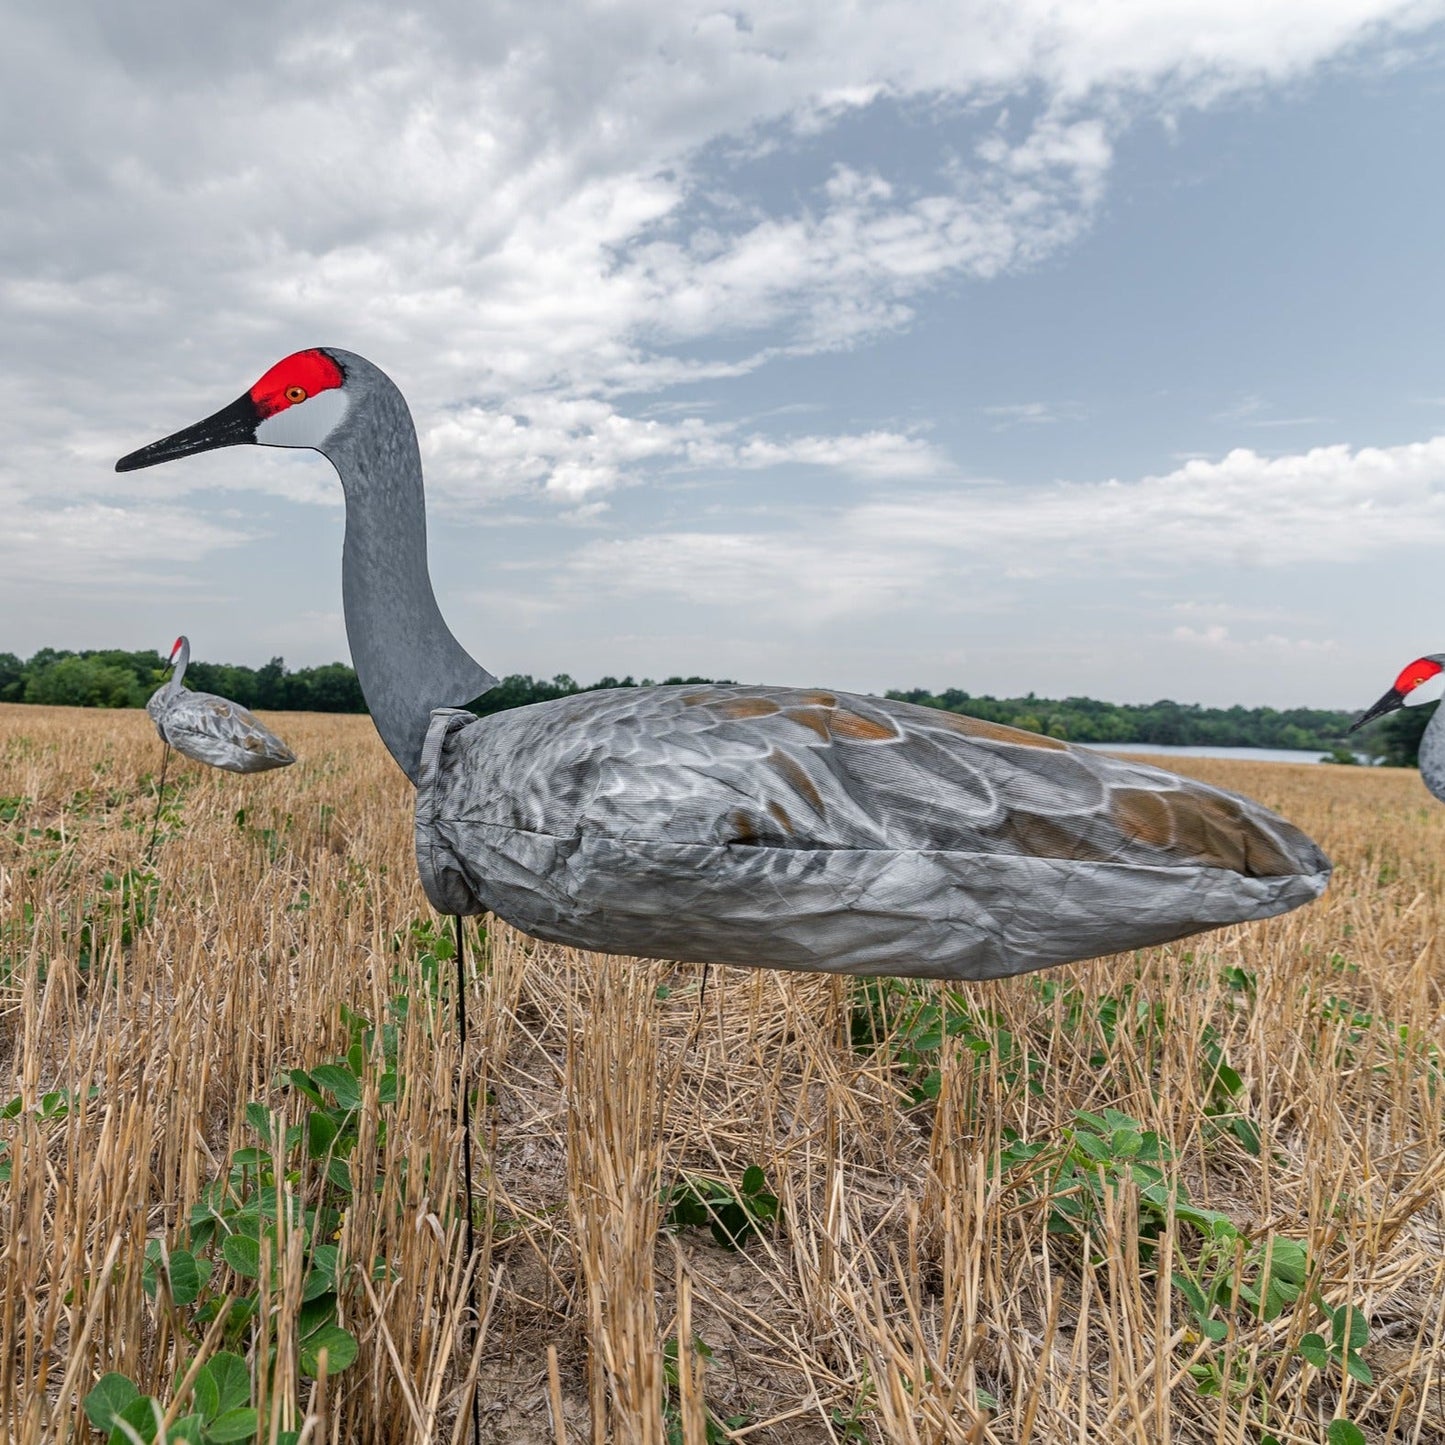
(912, 1289)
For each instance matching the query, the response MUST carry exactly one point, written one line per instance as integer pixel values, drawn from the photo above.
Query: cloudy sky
(1085, 347)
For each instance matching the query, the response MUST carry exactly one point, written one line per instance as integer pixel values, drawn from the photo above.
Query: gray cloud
(522, 212)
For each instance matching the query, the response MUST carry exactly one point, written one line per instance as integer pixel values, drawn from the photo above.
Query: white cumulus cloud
(1328, 505)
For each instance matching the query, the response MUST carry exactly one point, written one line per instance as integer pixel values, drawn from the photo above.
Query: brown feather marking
(1205, 829)
(741, 707)
(1143, 816)
(977, 727)
(1263, 857)
(784, 822)
(742, 828)
(796, 778)
(819, 699)
(810, 717)
(856, 728)
(1038, 836)
(1260, 855)
(1213, 832)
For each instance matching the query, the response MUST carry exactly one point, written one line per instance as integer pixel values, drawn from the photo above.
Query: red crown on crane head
(300, 376)
(1421, 670)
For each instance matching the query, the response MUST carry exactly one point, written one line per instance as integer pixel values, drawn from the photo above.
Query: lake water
(1253, 755)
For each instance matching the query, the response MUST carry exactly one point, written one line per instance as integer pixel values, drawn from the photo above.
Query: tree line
(115, 678)
(112, 678)
(1088, 720)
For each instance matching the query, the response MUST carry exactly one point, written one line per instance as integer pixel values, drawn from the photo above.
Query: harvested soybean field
(1193, 1194)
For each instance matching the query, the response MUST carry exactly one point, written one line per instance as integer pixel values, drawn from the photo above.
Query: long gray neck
(183, 659)
(1432, 754)
(406, 659)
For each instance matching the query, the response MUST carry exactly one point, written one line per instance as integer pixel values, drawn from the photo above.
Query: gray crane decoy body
(764, 826)
(212, 730)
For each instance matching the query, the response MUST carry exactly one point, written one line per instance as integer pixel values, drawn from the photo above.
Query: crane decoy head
(176, 647)
(1421, 682)
(300, 402)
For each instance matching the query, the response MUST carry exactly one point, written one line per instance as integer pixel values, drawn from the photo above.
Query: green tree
(271, 684)
(12, 678)
(1400, 734)
(520, 689)
(84, 682)
(330, 688)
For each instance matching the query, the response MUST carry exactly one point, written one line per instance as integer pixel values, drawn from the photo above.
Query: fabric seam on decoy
(437, 818)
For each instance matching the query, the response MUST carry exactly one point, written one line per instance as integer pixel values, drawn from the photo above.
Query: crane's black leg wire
(702, 991)
(160, 798)
(470, 1232)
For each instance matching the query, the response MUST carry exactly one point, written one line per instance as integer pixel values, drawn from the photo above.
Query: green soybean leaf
(1192, 1293)
(143, 1416)
(1127, 1143)
(233, 1380)
(1247, 1134)
(206, 1392)
(341, 1082)
(185, 1277)
(243, 1255)
(111, 1395)
(303, 1081)
(317, 1311)
(234, 1425)
(1345, 1432)
(321, 1131)
(1358, 1369)
(1289, 1259)
(340, 1350)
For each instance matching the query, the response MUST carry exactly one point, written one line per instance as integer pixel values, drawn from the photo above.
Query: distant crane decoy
(1422, 681)
(767, 826)
(212, 730)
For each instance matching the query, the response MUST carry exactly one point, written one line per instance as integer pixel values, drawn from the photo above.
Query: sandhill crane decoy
(770, 826)
(1421, 682)
(212, 730)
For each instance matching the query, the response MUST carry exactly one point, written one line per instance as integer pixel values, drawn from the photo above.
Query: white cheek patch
(308, 423)
(1431, 690)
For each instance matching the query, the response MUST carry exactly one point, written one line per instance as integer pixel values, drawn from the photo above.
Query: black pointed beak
(230, 427)
(1388, 703)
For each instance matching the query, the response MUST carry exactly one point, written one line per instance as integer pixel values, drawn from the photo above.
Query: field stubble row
(963, 1243)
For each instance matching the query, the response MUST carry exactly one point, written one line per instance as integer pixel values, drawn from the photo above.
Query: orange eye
(295, 394)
